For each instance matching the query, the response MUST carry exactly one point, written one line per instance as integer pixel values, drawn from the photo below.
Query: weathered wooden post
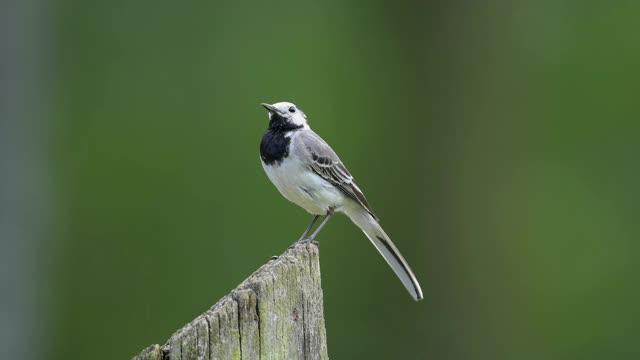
(276, 313)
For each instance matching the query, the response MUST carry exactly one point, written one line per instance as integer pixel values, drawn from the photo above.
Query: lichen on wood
(276, 313)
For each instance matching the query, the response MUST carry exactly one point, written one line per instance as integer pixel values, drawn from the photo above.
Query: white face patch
(299, 119)
(292, 113)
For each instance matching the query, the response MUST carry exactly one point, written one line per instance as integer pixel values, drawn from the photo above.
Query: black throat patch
(275, 146)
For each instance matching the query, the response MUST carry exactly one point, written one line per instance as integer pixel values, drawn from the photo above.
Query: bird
(309, 173)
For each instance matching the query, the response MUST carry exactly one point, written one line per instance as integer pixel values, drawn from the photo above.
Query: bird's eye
(292, 109)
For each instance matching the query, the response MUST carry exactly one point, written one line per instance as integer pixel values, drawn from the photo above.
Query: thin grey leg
(315, 218)
(315, 233)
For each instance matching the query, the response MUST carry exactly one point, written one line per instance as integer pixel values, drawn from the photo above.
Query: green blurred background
(498, 142)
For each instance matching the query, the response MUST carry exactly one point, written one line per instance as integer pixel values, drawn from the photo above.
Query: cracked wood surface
(276, 313)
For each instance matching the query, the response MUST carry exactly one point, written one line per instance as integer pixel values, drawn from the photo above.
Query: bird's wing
(325, 162)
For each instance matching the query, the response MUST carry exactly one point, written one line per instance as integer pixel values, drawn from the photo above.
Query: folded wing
(325, 162)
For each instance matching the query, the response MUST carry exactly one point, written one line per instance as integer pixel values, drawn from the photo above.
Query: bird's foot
(296, 243)
(304, 242)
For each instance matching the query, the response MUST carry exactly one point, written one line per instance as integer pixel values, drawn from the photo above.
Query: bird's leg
(315, 233)
(315, 218)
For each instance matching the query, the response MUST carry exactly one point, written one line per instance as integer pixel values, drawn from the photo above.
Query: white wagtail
(308, 173)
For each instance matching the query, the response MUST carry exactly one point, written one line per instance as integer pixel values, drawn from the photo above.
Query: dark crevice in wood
(239, 328)
(206, 318)
(259, 330)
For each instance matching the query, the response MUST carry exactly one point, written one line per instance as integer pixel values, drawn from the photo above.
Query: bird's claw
(304, 242)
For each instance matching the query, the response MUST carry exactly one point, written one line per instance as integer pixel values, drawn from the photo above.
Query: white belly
(298, 184)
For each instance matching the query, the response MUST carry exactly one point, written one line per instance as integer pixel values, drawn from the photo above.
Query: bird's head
(285, 115)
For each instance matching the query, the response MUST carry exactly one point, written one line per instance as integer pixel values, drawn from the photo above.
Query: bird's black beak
(269, 107)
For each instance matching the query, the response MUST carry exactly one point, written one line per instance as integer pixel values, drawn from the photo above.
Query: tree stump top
(276, 313)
